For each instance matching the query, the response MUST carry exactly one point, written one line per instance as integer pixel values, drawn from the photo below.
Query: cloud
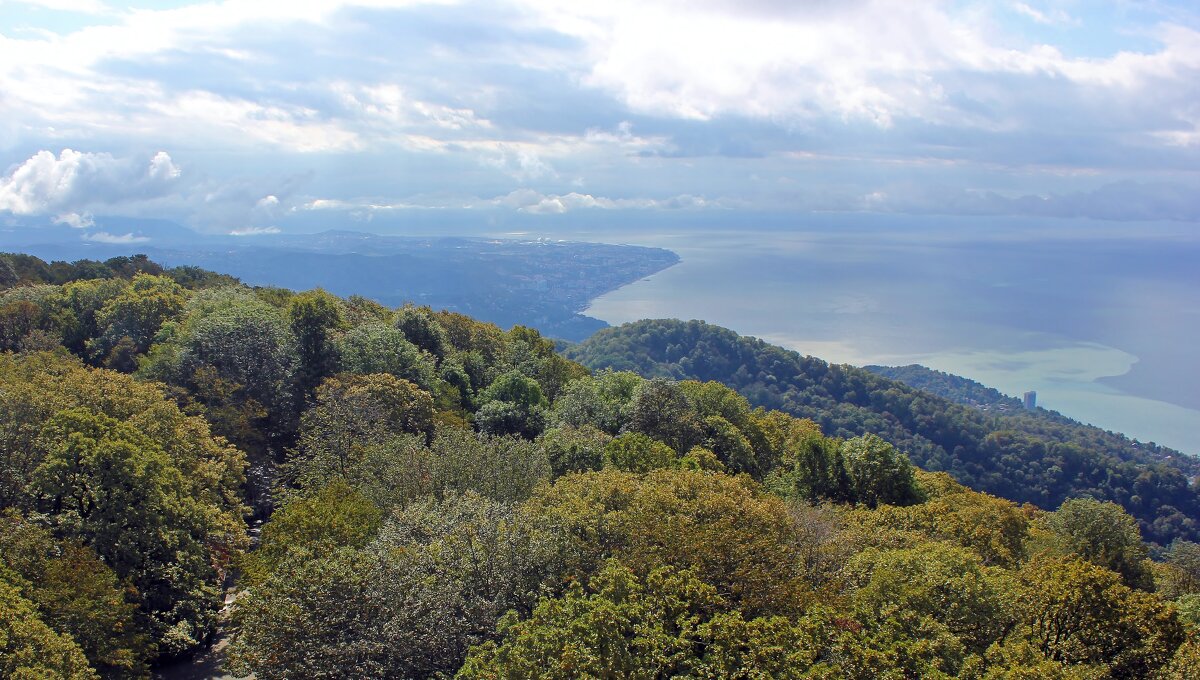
(1049, 17)
(81, 6)
(533, 202)
(450, 103)
(255, 231)
(522, 200)
(74, 182)
(75, 220)
(1117, 201)
(123, 239)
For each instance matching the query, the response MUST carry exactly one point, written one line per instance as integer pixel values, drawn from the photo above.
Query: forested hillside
(1042, 459)
(444, 498)
(956, 388)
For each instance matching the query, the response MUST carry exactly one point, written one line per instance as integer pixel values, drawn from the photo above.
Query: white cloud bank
(72, 184)
(114, 239)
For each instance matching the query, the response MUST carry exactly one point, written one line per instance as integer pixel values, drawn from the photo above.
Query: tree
(29, 649)
(878, 472)
(350, 413)
(8, 275)
(660, 410)
(737, 539)
(407, 605)
(237, 357)
(635, 452)
(503, 468)
(319, 522)
(1075, 612)
(601, 401)
(423, 330)
(136, 313)
(573, 449)
(1103, 534)
(77, 595)
(732, 448)
(512, 404)
(108, 485)
(382, 348)
(669, 624)
(315, 318)
(317, 617)
(813, 469)
(937, 581)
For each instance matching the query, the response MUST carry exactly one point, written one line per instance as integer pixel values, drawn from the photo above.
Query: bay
(1097, 318)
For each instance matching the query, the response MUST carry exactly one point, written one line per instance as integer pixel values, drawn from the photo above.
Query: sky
(264, 116)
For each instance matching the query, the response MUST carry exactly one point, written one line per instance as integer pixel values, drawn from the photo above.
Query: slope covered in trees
(444, 498)
(956, 388)
(1040, 459)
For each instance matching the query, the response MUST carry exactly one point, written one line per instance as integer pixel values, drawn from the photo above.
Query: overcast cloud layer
(260, 116)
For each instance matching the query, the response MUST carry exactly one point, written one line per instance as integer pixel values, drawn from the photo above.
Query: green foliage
(878, 472)
(8, 275)
(315, 318)
(351, 413)
(427, 515)
(1185, 664)
(574, 449)
(319, 522)
(813, 470)
(422, 329)
(381, 348)
(107, 484)
(1103, 534)
(946, 584)
(409, 604)
(1039, 458)
(115, 467)
(77, 595)
(601, 401)
(669, 624)
(136, 314)
(31, 650)
(635, 452)
(995, 529)
(737, 539)
(502, 468)
(512, 404)
(236, 358)
(660, 410)
(1075, 612)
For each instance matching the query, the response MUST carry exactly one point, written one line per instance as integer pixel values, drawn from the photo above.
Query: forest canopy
(439, 497)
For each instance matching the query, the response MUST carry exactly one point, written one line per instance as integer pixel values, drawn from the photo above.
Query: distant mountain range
(539, 283)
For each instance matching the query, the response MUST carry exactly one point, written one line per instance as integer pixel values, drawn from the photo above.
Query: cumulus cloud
(537, 203)
(114, 239)
(255, 231)
(73, 183)
(75, 220)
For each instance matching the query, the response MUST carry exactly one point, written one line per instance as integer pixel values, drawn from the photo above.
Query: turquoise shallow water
(1098, 319)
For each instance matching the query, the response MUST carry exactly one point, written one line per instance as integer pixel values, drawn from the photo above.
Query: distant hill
(538, 283)
(956, 388)
(1042, 459)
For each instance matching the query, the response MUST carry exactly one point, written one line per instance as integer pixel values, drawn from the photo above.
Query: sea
(1100, 319)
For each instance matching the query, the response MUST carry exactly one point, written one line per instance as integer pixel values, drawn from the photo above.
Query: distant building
(1031, 400)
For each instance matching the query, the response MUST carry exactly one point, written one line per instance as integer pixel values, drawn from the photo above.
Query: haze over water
(1096, 318)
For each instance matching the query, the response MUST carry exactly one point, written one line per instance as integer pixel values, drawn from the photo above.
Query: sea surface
(1099, 318)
